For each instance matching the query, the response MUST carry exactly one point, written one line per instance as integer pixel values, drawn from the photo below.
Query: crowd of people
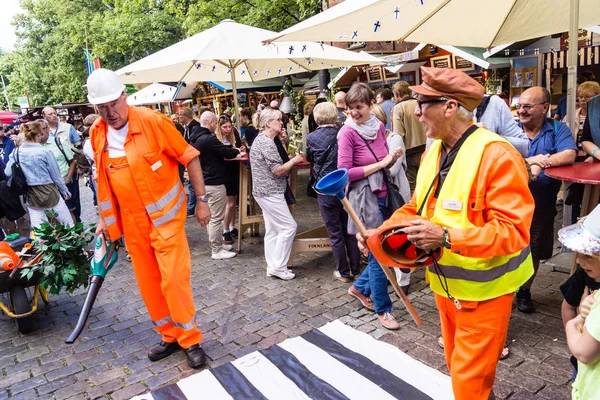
(455, 157)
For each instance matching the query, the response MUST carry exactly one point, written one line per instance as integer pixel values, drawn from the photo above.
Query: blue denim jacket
(39, 166)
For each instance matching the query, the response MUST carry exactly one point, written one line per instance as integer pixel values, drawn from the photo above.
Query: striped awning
(558, 59)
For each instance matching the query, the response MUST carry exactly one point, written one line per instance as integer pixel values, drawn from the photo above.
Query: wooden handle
(390, 276)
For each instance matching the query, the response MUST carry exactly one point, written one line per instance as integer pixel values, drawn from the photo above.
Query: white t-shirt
(116, 141)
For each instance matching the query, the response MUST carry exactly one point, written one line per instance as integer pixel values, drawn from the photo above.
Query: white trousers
(38, 215)
(403, 278)
(280, 229)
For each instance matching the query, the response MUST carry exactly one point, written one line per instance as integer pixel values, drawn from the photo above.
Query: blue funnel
(333, 183)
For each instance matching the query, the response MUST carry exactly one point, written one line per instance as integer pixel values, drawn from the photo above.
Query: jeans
(74, 203)
(373, 282)
(191, 203)
(342, 245)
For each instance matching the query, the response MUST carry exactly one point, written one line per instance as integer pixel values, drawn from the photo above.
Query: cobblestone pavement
(240, 310)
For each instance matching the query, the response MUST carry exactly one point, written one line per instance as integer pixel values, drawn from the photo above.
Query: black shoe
(234, 232)
(405, 289)
(191, 214)
(162, 350)
(524, 303)
(227, 239)
(196, 356)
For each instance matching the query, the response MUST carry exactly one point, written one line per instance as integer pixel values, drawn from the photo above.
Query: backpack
(17, 182)
(84, 168)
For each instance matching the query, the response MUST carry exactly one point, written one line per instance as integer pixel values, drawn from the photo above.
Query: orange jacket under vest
(153, 148)
(500, 205)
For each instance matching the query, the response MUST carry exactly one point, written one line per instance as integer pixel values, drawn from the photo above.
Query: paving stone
(9, 380)
(129, 392)
(71, 390)
(104, 377)
(106, 388)
(55, 385)
(64, 372)
(28, 384)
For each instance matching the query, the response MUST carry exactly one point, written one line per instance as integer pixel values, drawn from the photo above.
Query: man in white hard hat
(137, 151)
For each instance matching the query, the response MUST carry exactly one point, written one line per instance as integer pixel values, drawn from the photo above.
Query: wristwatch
(203, 198)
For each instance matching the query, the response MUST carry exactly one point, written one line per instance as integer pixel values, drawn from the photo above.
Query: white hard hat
(103, 85)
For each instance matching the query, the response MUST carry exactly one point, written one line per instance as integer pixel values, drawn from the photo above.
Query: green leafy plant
(65, 262)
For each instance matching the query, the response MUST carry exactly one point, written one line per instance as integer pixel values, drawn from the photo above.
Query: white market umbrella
(235, 52)
(470, 23)
(153, 94)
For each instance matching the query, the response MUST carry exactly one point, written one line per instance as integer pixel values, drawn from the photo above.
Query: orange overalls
(157, 263)
(140, 196)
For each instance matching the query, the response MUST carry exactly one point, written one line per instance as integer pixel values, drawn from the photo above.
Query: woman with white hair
(322, 152)
(268, 188)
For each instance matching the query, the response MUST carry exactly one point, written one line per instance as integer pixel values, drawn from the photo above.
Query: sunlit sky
(7, 31)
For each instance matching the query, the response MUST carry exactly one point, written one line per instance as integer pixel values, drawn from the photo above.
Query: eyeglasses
(432, 101)
(528, 107)
(584, 98)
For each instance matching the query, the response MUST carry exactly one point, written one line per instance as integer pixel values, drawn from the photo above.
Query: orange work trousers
(473, 340)
(161, 266)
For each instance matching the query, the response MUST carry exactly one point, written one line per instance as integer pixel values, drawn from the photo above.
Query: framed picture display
(517, 79)
(529, 78)
(390, 75)
(374, 74)
(462, 64)
(441, 62)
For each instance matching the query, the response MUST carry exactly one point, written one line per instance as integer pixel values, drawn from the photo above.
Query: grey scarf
(368, 129)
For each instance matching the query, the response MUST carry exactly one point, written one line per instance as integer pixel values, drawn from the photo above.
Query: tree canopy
(48, 63)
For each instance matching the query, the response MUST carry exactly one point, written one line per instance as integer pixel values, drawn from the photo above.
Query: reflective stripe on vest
(484, 275)
(468, 278)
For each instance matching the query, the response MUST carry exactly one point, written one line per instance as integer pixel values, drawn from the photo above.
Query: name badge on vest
(156, 165)
(454, 205)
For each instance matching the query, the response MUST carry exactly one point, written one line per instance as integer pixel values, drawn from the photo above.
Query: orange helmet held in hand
(391, 247)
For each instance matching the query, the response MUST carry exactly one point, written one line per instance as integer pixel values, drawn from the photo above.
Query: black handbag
(312, 179)
(394, 200)
(289, 195)
(17, 182)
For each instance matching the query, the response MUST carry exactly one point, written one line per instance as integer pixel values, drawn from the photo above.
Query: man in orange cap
(472, 193)
(140, 196)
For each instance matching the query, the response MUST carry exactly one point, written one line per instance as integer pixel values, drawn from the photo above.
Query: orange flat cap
(450, 83)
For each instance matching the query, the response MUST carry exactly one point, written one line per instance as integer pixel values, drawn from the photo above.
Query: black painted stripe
(367, 368)
(235, 383)
(313, 386)
(169, 392)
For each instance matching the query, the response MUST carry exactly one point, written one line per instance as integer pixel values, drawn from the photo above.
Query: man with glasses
(551, 145)
(476, 206)
(140, 196)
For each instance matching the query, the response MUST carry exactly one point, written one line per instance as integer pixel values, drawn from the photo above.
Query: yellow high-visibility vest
(468, 278)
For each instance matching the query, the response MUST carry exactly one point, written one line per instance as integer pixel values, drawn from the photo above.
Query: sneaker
(223, 255)
(364, 300)
(227, 247)
(191, 214)
(285, 275)
(338, 277)
(227, 238)
(388, 321)
(405, 289)
(234, 232)
(524, 303)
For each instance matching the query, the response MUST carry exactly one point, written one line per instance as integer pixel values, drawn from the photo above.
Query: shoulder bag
(394, 200)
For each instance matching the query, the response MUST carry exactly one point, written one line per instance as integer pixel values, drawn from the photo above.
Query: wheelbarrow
(20, 306)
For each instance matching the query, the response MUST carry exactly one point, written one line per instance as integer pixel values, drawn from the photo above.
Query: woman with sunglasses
(269, 184)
